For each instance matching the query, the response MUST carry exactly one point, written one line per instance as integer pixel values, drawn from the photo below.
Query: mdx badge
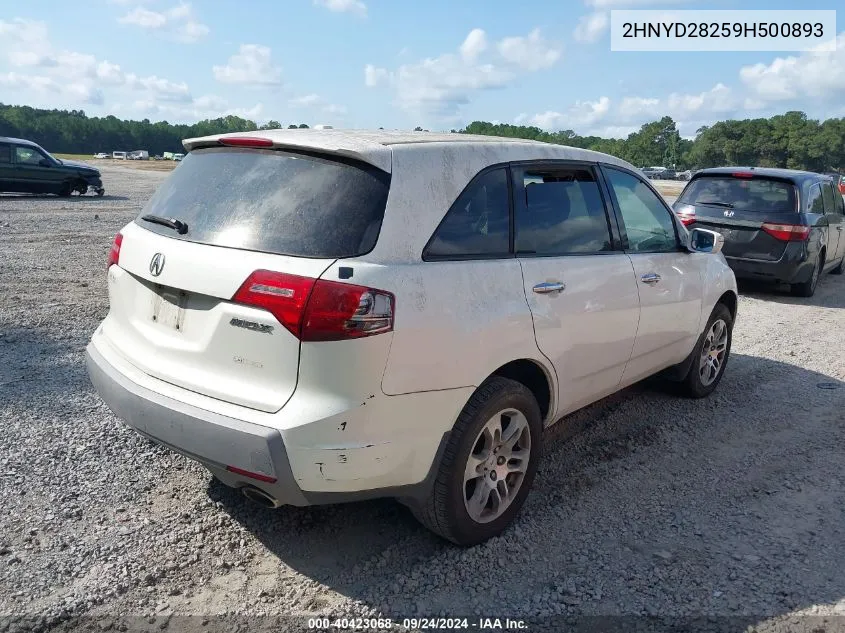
(729, 214)
(157, 264)
(252, 325)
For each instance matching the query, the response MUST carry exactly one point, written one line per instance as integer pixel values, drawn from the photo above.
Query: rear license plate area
(169, 308)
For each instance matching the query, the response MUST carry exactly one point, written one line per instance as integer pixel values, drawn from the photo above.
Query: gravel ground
(645, 503)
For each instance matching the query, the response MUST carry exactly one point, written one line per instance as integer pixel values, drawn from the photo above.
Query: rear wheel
(488, 465)
(808, 288)
(66, 190)
(711, 354)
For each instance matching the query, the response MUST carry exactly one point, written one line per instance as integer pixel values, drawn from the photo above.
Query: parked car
(119, 155)
(779, 225)
(653, 173)
(684, 175)
(26, 167)
(178, 157)
(101, 155)
(838, 181)
(321, 316)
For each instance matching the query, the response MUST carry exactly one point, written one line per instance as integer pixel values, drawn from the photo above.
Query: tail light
(318, 309)
(114, 253)
(245, 141)
(686, 216)
(742, 174)
(787, 232)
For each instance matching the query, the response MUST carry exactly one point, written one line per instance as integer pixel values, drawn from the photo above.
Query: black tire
(444, 512)
(694, 385)
(808, 288)
(840, 268)
(66, 190)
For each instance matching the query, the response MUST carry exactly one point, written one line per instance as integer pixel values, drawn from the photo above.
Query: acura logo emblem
(157, 264)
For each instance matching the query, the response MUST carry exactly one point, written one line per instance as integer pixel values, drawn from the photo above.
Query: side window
(815, 202)
(648, 222)
(478, 224)
(5, 154)
(827, 194)
(562, 213)
(839, 201)
(27, 155)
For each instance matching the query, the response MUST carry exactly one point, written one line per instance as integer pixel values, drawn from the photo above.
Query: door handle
(650, 278)
(838, 228)
(548, 287)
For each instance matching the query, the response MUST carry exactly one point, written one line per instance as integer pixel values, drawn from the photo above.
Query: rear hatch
(210, 288)
(757, 215)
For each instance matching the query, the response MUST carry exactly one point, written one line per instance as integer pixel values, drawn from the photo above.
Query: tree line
(72, 132)
(789, 140)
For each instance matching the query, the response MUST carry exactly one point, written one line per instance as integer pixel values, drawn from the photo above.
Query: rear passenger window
(815, 202)
(648, 223)
(5, 154)
(840, 203)
(562, 213)
(827, 194)
(478, 224)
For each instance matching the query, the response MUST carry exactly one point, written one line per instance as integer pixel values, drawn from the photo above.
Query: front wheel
(711, 354)
(488, 465)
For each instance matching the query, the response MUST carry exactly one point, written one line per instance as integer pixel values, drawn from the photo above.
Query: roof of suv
(17, 141)
(374, 146)
(795, 175)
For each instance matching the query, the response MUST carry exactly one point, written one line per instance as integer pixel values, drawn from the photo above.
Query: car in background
(684, 175)
(838, 181)
(119, 155)
(26, 167)
(779, 225)
(305, 366)
(653, 173)
(101, 155)
(178, 157)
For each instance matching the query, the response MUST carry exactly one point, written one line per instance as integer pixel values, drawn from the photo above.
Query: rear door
(668, 277)
(579, 285)
(738, 206)
(172, 311)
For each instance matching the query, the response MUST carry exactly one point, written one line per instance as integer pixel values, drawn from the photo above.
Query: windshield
(273, 201)
(743, 194)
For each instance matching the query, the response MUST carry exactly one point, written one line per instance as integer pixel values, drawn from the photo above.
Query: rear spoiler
(330, 142)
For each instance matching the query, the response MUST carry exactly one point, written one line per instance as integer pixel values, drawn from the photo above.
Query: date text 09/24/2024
(417, 624)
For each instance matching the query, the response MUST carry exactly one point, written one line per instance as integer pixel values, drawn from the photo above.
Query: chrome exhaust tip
(260, 497)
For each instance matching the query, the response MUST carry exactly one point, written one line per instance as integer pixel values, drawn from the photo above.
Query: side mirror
(45, 163)
(704, 241)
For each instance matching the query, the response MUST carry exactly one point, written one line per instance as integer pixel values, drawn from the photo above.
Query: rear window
(272, 201)
(744, 194)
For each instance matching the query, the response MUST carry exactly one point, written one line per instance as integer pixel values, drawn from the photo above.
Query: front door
(669, 278)
(579, 286)
(36, 171)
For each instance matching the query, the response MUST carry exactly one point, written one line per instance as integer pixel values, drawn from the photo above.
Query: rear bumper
(214, 440)
(313, 473)
(794, 266)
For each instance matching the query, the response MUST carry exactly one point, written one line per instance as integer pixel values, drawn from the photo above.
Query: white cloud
(474, 44)
(634, 108)
(374, 76)
(591, 27)
(580, 114)
(344, 6)
(144, 18)
(252, 64)
(178, 22)
(820, 75)
(317, 104)
(530, 53)
(719, 99)
(439, 86)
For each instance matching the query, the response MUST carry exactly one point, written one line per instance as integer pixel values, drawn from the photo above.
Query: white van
(119, 155)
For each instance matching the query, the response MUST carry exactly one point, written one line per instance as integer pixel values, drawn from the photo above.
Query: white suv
(325, 316)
